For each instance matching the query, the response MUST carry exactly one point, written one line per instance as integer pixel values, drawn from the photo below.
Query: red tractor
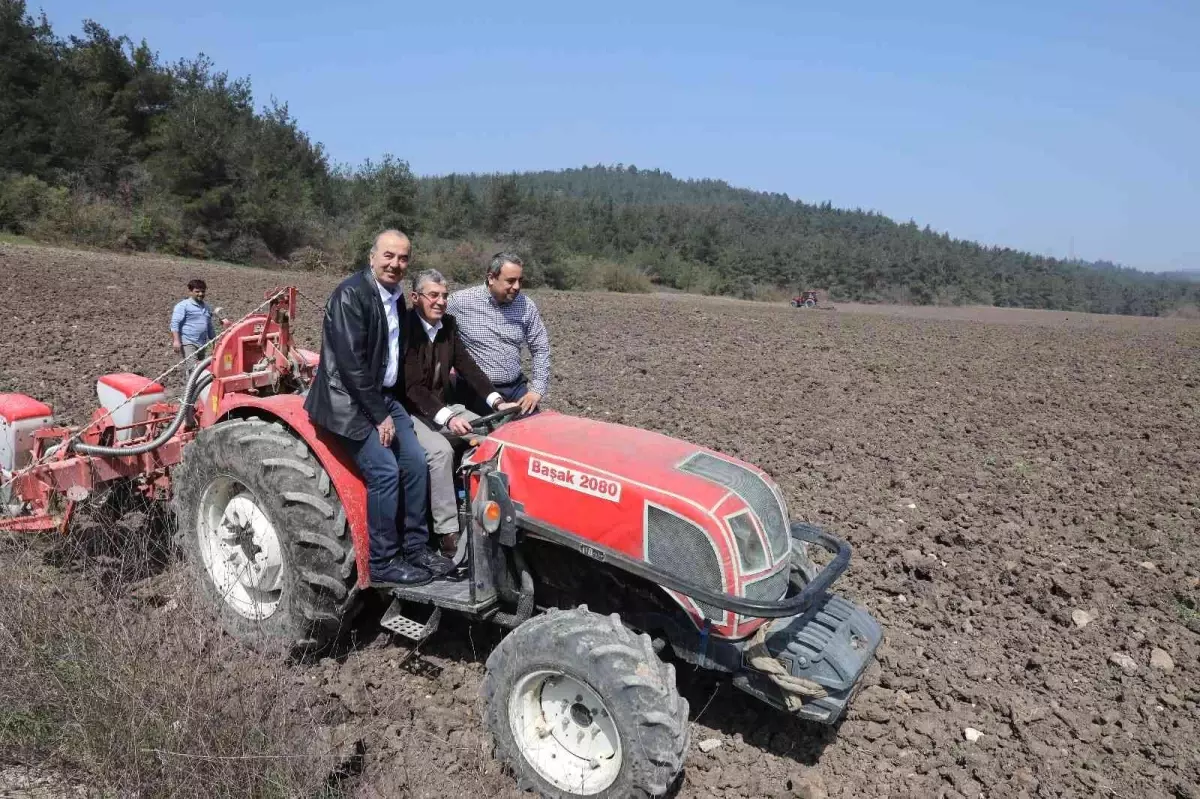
(675, 549)
(807, 299)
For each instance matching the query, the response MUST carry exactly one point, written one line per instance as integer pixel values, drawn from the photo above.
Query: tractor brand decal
(592, 552)
(575, 479)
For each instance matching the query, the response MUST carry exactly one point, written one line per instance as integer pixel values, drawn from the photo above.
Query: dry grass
(129, 688)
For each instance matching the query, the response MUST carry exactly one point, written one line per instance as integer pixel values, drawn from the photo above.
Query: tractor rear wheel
(578, 705)
(265, 535)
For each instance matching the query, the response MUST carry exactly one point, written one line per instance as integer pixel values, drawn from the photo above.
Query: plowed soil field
(1022, 491)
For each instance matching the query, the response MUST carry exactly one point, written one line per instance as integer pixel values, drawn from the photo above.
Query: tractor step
(395, 620)
(449, 594)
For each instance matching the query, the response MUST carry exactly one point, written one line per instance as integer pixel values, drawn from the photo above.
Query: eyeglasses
(435, 295)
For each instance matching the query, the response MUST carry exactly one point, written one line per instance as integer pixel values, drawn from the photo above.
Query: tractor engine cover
(717, 522)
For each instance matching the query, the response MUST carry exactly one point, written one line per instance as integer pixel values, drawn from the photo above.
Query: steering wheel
(485, 424)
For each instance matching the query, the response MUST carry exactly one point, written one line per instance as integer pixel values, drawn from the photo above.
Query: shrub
(623, 278)
(248, 248)
(586, 273)
(310, 259)
(22, 199)
(462, 262)
(130, 686)
(92, 221)
(157, 226)
(699, 279)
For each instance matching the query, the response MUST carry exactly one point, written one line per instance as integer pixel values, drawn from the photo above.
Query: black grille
(751, 488)
(676, 545)
(769, 588)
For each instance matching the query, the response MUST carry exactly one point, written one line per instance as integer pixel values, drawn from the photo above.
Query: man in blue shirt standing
(191, 321)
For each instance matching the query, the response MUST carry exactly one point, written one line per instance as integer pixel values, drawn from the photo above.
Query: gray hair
(427, 276)
(499, 260)
(382, 233)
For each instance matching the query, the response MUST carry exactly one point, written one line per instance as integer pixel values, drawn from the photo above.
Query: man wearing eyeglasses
(433, 348)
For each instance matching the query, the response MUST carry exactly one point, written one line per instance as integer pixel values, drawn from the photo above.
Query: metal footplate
(395, 621)
(829, 646)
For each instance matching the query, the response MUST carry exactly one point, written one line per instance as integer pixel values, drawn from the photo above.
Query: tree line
(104, 144)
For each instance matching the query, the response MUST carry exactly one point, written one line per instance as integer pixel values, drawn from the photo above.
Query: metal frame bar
(776, 609)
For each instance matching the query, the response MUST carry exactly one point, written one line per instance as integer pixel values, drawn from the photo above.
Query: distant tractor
(811, 299)
(807, 299)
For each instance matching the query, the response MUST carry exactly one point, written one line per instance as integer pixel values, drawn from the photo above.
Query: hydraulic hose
(525, 602)
(197, 380)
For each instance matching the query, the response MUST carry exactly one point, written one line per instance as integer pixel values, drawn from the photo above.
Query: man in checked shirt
(495, 321)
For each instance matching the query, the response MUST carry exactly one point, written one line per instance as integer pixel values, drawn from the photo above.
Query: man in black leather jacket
(356, 395)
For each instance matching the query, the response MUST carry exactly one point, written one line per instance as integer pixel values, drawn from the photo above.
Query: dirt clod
(1162, 661)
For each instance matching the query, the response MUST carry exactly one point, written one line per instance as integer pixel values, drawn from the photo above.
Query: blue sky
(1041, 126)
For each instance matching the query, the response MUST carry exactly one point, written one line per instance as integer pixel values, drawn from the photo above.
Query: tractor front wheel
(264, 534)
(578, 705)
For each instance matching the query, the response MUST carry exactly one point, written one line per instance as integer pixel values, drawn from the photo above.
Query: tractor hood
(636, 455)
(718, 521)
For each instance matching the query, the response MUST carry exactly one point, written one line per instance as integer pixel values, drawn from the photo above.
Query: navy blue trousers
(391, 474)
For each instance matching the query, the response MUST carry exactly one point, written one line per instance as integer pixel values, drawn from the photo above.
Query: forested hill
(104, 144)
(707, 234)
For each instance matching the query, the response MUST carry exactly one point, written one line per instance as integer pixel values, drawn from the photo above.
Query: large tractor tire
(578, 705)
(265, 535)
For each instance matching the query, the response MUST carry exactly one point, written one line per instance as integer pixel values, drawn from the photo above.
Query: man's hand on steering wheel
(529, 402)
(459, 426)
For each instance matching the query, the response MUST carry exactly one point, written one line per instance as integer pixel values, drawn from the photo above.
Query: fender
(350, 488)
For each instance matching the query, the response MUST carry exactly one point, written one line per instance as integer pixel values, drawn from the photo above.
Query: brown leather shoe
(448, 546)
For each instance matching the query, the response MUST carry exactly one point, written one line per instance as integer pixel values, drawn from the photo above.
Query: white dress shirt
(390, 299)
(447, 412)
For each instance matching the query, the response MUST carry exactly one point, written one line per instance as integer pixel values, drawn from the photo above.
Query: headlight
(750, 547)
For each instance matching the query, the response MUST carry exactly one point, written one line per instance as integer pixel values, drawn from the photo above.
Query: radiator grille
(752, 489)
(676, 545)
(769, 588)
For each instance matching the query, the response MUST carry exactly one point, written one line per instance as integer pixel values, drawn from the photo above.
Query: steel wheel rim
(240, 549)
(565, 731)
